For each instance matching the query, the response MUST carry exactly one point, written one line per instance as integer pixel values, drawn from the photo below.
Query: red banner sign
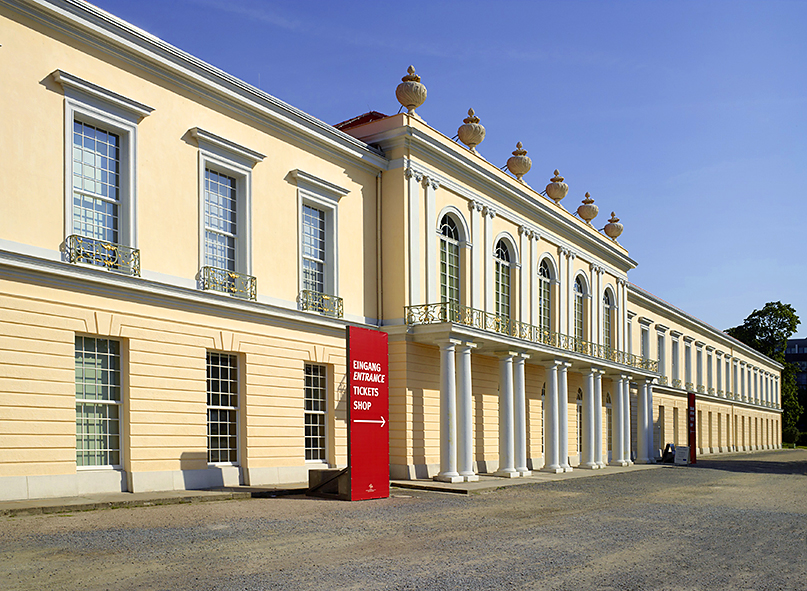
(692, 439)
(368, 413)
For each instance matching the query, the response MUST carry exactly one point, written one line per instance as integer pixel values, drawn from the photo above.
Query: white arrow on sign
(381, 421)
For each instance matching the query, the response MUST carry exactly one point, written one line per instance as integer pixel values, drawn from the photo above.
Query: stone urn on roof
(613, 229)
(471, 133)
(556, 190)
(519, 163)
(410, 92)
(588, 211)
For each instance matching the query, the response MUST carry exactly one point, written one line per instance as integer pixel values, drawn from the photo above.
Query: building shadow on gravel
(754, 466)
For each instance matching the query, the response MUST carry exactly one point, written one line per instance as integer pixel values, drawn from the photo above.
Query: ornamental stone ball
(519, 163)
(613, 228)
(471, 133)
(410, 92)
(557, 189)
(588, 211)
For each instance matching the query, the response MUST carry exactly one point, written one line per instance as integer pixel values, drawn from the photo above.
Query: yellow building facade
(180, 254)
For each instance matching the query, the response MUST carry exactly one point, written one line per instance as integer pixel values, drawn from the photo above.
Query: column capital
(431, 182)
(448, 342)
(475, 205)
(410, 173)
(489, 211)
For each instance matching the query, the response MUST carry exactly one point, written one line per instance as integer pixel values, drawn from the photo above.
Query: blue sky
(689, 119)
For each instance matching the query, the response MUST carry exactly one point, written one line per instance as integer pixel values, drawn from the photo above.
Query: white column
(414, 178)
(520, 414)
(432, 268)
(626, 446)
(598, 436)
(477, 273)
(589, 434)
(551, 463)
(617, 417)
(448, 415)
(506, 441)
(563, 417)
(487, 256)
(465, 440)
(534, 279)
(562, 307)
(644, 426)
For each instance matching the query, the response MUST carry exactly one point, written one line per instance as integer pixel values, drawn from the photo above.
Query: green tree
(767, 331)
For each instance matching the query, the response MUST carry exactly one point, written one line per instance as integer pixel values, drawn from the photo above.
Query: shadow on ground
(780, 462)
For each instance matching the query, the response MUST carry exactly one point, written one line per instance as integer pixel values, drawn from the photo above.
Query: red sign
(692, 440)
(368, 413)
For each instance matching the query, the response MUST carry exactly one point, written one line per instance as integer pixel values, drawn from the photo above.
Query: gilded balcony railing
(720, 393)
(676, 383)
(689, 387)
(711, 391)
(115, 257)
(701, 389)
(236, 284)
(327, 305)
(458, 314)
(663, 380)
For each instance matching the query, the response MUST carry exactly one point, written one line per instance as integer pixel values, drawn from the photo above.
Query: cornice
(100, 29)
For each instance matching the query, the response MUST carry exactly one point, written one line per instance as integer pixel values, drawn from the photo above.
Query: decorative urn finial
(471, 133)
(519, 163)
(613, 228)
(557, 189)
(410, 92)
(588, 211)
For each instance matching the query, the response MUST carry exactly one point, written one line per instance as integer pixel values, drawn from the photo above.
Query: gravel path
(731, 523)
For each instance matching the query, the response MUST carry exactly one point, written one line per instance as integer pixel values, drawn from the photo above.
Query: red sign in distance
(691, 440)
(368, 413)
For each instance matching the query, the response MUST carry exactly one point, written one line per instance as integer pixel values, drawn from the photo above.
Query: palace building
(180, 254)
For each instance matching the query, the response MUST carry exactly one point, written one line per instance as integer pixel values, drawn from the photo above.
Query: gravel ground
(731, 523)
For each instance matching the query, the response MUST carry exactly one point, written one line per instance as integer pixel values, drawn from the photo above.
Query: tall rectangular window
(675, 356)
(222, 408)
(98, 402)
(96, 182)
(313, 249)
(645, 344)
(220, 220)
(316, 408)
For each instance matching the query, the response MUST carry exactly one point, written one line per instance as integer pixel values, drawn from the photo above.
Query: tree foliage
(767, 331)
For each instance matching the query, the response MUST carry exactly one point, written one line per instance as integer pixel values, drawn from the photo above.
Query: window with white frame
(100, 165)
(98, 402)
(316, 408)
(645, 343)
(579, 292)
(314, 249)
(221, 221)
(607, 317)
(544, 297)
(675, 359)
(502, 279)
(449, 261)
(222, 408)
(225, 181)
(318, 201)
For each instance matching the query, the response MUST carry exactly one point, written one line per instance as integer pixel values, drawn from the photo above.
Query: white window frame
(240, 381)
(325, 413)
(121, 405)
(325, 196)
(235, 161)
(94, 105)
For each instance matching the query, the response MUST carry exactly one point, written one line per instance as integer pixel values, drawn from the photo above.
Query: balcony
(111, 256)
(720, 393)
(689, 387)
(237, 285)
(711, 391)
(327, 305)
(701, 389)
(676, 383)
(478, 319)
(663, 381)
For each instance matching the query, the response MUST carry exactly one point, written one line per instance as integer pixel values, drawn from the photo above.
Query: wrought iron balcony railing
(676, 383)
(720, 393)
(111, 256)
(662, 380)
(327, 305)
(711, 391)
(236, 284)
(458, 314)
(701, 389)
(689, 387)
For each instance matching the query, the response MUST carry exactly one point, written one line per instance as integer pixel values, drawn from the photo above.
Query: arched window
(502, 278)
(580, 424)
(544, 297)
(449, 261)
(578, 308)
(607, 311)
(608, 427)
